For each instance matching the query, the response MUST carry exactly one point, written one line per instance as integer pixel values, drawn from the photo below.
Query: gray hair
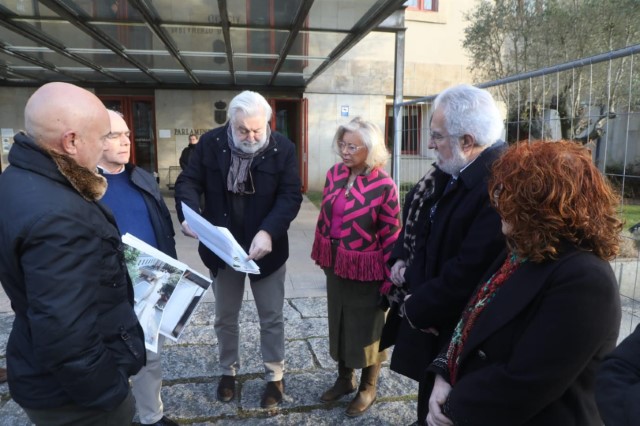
(249, 103)
(377, 154)
(469, 110)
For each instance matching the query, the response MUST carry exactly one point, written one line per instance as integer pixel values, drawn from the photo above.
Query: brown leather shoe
(226, 388)
(3, 375)
(272, 395)
(344, 385)
(367, 391)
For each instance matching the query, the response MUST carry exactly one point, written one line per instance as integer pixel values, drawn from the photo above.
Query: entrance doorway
(290, 118)
(139, 114)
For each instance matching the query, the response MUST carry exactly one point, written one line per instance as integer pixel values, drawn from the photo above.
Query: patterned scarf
(475, 307)
(240, 164)
(425, 188)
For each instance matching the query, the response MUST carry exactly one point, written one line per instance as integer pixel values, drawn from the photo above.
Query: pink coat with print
(371, 225)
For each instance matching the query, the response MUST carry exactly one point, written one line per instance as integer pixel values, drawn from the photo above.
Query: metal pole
(398, 81)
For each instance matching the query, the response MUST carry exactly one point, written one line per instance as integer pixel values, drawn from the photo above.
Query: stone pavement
(190, 365)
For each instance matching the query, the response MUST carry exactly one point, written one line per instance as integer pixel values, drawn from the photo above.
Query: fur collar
(90, 185)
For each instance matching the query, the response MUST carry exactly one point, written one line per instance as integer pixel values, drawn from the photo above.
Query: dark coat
(185, 155)
(75, 338)
(532, 355)
(463, 240)
(157, 208)
(618, 384)
(272, 208)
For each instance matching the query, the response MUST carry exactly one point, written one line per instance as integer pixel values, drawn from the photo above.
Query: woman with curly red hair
(528, 344)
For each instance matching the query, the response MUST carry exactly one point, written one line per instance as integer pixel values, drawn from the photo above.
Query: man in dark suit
(451, 233)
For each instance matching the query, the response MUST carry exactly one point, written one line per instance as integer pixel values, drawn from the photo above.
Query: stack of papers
(220, 241)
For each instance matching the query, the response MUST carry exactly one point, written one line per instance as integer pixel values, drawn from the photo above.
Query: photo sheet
(166, 291)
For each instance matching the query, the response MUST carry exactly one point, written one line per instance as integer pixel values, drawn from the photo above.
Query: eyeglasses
(351, 148)
(436, 137)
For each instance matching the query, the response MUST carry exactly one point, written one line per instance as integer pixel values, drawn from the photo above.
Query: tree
(506, 38)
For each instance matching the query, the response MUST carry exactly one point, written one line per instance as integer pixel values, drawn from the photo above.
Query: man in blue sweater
(134, 197)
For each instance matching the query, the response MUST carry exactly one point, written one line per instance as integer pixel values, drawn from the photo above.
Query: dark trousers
(73, 415)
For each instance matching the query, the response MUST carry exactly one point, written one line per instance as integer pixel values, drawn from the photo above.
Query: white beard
(456, 163)
(249, 147)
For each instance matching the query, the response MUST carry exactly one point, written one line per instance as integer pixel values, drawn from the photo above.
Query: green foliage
(506, 38)
(131, 259)
(630, 214)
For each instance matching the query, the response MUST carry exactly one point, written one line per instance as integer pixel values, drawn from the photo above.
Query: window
(428, 5)
(411, 129)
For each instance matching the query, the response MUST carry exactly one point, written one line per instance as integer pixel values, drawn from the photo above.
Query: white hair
(468, 110)
(249, 103)
(372, 138)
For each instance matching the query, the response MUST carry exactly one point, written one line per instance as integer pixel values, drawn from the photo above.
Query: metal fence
(595, 101)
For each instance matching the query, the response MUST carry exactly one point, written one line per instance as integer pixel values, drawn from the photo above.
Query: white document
(166, 291)
(220, 241)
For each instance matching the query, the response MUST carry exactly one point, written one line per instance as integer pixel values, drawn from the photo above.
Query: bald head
(68, 120)
(117, 148)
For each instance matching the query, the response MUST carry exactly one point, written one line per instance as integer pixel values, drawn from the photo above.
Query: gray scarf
(241, 165)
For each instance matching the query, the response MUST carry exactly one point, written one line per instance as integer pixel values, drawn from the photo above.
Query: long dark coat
(463, 240)
(532, 355)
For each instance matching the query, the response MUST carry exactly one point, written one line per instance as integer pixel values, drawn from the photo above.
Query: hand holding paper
(220, 241)
(260, 246)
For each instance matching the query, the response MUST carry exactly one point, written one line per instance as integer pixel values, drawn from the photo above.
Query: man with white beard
(249, 178)
(450, 234)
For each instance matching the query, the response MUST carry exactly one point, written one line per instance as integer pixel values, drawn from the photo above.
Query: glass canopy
(180, 44)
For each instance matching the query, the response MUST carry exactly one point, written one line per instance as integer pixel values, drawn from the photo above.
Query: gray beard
(456, 163)
(248, 147)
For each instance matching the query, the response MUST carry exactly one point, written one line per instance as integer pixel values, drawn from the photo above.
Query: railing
(594, 100)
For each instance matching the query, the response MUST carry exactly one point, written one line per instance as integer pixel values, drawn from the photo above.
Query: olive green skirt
(355, 321)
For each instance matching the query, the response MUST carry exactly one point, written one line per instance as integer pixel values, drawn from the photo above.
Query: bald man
(75, 339)
(134, 197)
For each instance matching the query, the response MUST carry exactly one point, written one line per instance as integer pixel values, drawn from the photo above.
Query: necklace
(347, 188)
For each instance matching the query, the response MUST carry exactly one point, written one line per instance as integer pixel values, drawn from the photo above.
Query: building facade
(358, 83)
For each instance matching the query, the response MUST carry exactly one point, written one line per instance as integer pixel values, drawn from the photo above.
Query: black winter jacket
(75, 338)
(274, 205)
(618, 383)
(185, 155)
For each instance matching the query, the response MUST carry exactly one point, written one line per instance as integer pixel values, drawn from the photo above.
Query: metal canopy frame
(22, 65)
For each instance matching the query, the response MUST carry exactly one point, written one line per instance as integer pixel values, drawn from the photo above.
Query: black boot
(345, 384)
(366, 395)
